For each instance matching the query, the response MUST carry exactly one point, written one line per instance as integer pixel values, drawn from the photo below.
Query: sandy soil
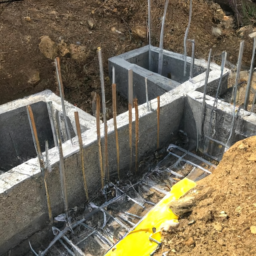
(76, 28)
(223, 220)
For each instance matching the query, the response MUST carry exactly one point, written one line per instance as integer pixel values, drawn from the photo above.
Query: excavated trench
(189, 127)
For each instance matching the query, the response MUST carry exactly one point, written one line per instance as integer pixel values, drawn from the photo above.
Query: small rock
(190, 242)
(78, 52)
(28, 19)
(140, 32)
(253, 229)
(91, 24)
(48, 48)
(182, 205)
(34, 77)
(63, 48)
(216, 31)
(192, 222)
(167, 225)
(218, 227)
(254, 205)
(221, 242)
(238, 209)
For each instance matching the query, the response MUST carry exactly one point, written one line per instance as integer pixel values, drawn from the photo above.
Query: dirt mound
(41, 30)
(223, 219)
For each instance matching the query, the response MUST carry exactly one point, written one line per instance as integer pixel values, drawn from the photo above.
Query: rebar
(62, 168)
(192, 58)
(130, 87)
(115, 126)
(146, 90)
(205, 89)
(99, 139)
(149, 36)
(103, 111)
(113, 75)
(40, 158)
(50, 113)
(136, 134)
(239, 63)
(160, 57)
(80, 140)
(158, 121)
(186, 37)
(61, 89)
(130, 134)
(249, 82)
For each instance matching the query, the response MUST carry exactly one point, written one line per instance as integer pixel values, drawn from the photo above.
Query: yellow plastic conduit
(138, 241)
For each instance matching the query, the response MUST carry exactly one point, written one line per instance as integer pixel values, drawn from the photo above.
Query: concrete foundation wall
(137, 60)
(22, 190)
(217, 124)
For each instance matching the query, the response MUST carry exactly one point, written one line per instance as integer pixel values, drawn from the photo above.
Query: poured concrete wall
(22, 190)
(217, 124)
(137, 60)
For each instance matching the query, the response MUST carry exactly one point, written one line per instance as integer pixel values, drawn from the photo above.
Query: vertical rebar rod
(149, 36)
(99, 139)
(136, 133)
(113, 75)
(130, 87)
(130, 134)
(161, 45)
(205, 90)
(186, 37)
(192, 58)
(146, 89)
(50, 113)
(249, 82)
(40, 157)
(115, 126)
(239, 63)
(80, 140)
(62, 167)
(158, 121)
(103, 111)
(61, 89)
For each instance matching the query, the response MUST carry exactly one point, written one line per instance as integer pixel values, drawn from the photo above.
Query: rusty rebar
(115, 126)
(130, 134)
(136, 133)
(99, 138)
(80, 140)
(158, 121)
(40, 158)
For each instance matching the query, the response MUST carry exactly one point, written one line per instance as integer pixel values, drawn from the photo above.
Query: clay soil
(223, 220)
(116, 26)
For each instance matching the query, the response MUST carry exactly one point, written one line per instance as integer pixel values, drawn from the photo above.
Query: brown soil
(223, 220)
(76, 28)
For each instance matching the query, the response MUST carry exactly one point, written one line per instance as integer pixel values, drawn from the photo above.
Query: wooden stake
(40, 158)
(78, 129)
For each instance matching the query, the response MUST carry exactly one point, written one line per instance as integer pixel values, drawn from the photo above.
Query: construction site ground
(222, 220)
(33, 33)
